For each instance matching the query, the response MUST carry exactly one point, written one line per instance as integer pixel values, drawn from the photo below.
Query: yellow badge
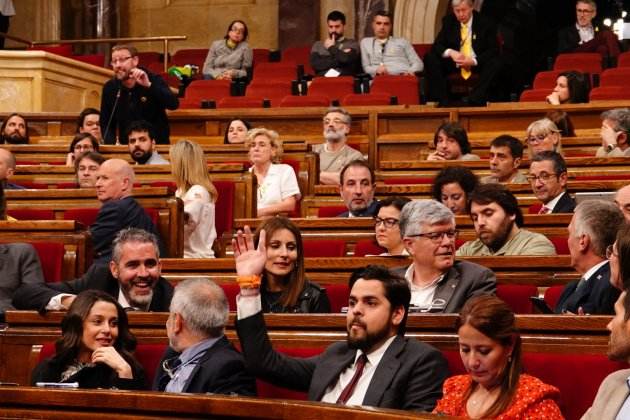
(143, 99)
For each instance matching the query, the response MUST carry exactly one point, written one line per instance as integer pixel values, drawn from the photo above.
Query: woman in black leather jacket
(284, 286)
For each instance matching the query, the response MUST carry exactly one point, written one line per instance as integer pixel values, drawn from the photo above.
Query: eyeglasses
(584, 11)
(610, 251)
(388, 222)
(436, 237)
(119, 60)
(543, 177)
(335, 121)
(536, 139)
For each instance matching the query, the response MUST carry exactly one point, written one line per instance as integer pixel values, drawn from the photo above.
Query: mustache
(358, 321)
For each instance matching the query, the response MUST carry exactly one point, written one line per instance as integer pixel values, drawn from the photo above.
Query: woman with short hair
(231, 57)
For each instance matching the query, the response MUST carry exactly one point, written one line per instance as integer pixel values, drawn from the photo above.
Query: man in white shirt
(384, 54)
(376, 366)
(142, 148)
(548, 178)
(334, 154)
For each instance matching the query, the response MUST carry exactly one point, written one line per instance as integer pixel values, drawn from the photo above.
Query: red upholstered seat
(205, 90)
(422, 49)
(33, 185)
(517, 296)
(240, 102)
(367, 247)
(602, 177)
(624, 59)
(330, 211)
(51, 258)
(275, 91)
(561, 245)
(609, 93)
(64, 49)
(360, 99)
(534, 208)
(195, 56)
(405, 88)
(171, 185)
(261, 55)
(31, 214)
(149, 57)
(84, 216)
(153, 214)
(224, 207)
(338, 295)
(298, 55)
(409, 180)
(534, 95)
(93, 59)
(584, 62)
(286, 71)
(615, 77)
(310, 100)
(552, 295)
(546, 80)
(314, 248)
(231, 290)
(67, 185)
(332, 87)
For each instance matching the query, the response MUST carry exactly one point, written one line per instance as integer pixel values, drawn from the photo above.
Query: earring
(510, 358)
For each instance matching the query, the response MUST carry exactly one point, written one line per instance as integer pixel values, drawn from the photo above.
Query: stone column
(419, 21)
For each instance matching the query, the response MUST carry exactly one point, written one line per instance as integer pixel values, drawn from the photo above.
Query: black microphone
(111, 116)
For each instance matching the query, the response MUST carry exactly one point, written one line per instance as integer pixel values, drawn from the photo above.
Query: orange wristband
(249, 282)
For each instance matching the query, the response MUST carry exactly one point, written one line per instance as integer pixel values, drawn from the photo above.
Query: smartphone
(540, 304)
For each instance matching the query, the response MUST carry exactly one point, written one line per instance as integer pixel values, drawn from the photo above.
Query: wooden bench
(73, 236)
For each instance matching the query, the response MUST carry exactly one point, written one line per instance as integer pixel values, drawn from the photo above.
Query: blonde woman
(194, 186)
(543, 135)
(278, 190)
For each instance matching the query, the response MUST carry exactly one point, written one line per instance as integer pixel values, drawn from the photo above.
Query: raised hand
(249, 260)
(140, 76)
(113, 359)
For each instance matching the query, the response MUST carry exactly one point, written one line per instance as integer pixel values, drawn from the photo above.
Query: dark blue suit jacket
(596, 297)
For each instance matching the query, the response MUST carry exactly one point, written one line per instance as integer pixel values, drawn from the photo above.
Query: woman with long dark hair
(494, 387)
(95, 349)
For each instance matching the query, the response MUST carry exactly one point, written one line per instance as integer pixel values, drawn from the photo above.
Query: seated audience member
(548, 178)
(385, 54)
(14, 130)
(452, 186)
(194, 186)
(86, 168)
(96, 347)
(132, 278)
(89, 122)
(387, 226)
(506, 153)
(494, 386)
(141, 143)
(498, 224)
(278, 190)
(119, 210)
(283, 283)
(396, 372)
(81, 143)
(7, 170)
(236, 131)
(438, 283)
(466, 45)
(618, 255)
(336, 54)
(334, 154)
(134, 94)
(571, 88)
(592, 229)
(622, 200)
(200, 359)
(615, 133)
(357, 189)
(451, 143)
(543, 135)
(562, 120)
(612, 399)
(231, 57)
(584, 36)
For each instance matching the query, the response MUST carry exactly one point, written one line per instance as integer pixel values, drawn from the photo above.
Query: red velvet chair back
(561, 245)
(85, 216)
(322, 248)
(330, 211)
(405, 88)
(535, 95)
(367, 247)
(231, 290)
(583, 62)
(51, 256)
(200, 90)
(360, 99)
(240, 102)
(552, 295)
(332, 87)
(67, 185)
(338, 295)
(195, 56)
(517, 296)
(546, 80)
(31, 214)
(299, 55)
(409, 180)
(224, 207)
(310, 100)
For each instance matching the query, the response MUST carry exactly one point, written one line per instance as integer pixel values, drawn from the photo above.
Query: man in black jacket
(336, 52)
(134, 94)
(200, 358)
(132, 277)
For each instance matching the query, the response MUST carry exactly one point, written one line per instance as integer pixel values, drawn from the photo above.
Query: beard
(366, 342)
(14, 138)
(333, 136)
(495, 242)
(141, 158)
(141, 301)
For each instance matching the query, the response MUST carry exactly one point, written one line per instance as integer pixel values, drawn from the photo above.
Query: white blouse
(279, 183)
(199, 231)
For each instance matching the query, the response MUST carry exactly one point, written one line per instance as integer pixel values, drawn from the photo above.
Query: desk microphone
(111, 116)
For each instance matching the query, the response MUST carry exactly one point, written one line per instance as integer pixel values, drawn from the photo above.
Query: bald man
(622, 200)
(114, 185)
(7, 169)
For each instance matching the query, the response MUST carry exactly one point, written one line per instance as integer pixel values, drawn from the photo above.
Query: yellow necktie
(466, 49)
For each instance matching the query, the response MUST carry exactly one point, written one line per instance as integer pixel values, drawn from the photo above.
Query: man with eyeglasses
(584, 36)
(357, 189)
(592, 230)
(438, 283)
(548, 178)
(134, 94)
(615, 133)
(200, 358)
(334, 154)
(498, 220)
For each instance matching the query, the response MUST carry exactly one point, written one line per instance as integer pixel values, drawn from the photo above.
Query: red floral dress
(533, 400)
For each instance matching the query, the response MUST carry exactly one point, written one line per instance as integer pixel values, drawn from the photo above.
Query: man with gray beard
(132, 277)
(334, 154)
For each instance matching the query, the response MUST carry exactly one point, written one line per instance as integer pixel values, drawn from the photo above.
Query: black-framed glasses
(388, 222)
(120, 60)
(543, 177)
(610, 251)
(436, 236)
(536, 139)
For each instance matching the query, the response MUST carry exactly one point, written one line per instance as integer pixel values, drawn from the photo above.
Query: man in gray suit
(19, 265)
(376, 366)
(438, 283)
(612, 400)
